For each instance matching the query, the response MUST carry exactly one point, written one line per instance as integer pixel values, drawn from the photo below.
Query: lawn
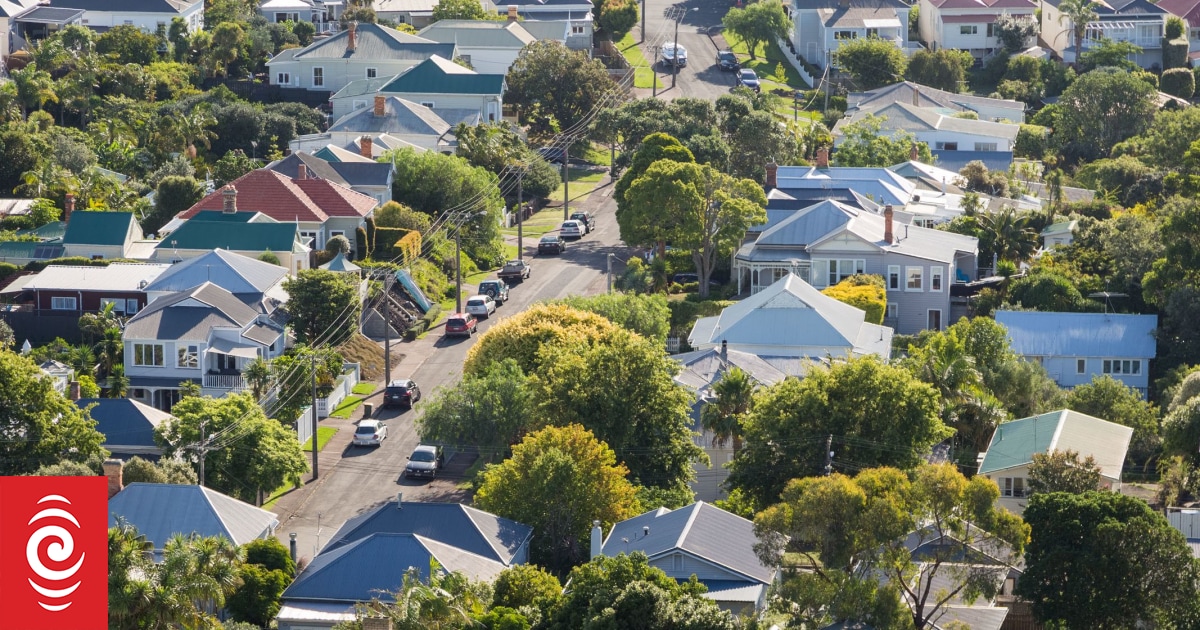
(364, 389)
(545, 220)
(644, 75)
(324, 434)
(770, 60)
(347, 406)
(583, 182)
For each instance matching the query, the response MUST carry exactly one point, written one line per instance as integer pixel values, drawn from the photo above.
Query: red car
(461, 325)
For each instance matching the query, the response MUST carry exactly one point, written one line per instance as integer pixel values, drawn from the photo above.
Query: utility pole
(643, 21)
(387, 325)
(521, 214)
(313, 364)
(828, 64)
(829, 455)
(203, 450)
(567, 180)
(610, 257)
(654, 75)
(457, 272)
(675, 61)
(796, 106)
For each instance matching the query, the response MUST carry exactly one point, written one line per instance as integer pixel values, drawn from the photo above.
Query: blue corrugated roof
(161, 510)
(1034, 333)
(123, 421)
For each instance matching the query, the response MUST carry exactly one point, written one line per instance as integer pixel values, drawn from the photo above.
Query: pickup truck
(496, 289)
(514, 271)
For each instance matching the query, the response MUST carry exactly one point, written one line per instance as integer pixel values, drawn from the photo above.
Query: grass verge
(347, 407)
(364, 389)
(644, 75)
(770, 59)
(583, 181)
(324, 434)
(481, 462)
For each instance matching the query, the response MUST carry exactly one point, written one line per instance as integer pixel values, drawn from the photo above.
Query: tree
(460, 10)
(267, 571)
(879, 415)
(1181, 431)
(269, 256)
(231, 166)
(557, 81)
(7, 339)
(871, 61)
(126, 43)
(398, 215)
(641, 313)
(1109, 399)
(1085, 547)
(1179, 82)
(862, 291)
(41, 425)
(874, 523)
(978, 179)
(1100, 109)
(489, 410)
(526, 585)
(617, 17)
(174, 195)
(758, 23)
(1110, 54)
(733, 398)
(1079, 13)
(864, 145)
(753, 141)
(705, 212)
(260, 456)
(227, 41)
(559, 480)
(17, 157)
(337, 245)
(35, 88)
(1063, 471)
(258, 376)
(945, 69)
(1045, 290)
(1015, 32)
(323, 306)
(438, 602)
(292, 375)
(653, 147)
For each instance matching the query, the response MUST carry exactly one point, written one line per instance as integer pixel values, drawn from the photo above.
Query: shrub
(1031, 142)
(867, 296)
(1179, 82)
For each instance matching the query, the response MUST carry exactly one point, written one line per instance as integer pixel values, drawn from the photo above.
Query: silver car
(481, 306)
(572, 229)
(370, 433)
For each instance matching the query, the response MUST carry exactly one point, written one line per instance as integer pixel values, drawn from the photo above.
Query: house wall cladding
(40, 329)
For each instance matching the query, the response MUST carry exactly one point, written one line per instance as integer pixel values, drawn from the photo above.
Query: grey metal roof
(374, 567)
(400, 116)
(160, 510)
(124, 421)
(906, 91)
(700, 529)
(956, 160)
(479, 33)
(119, 277)
(190, 315)
(906, 116)
(1111, 335)
(462, 526)
(131, 6)
(703, 368)
(233, 272)
(373, 41)
(973, 617)
(10, 8)
(548, 26)
(882, 185)
(349, 174)
(860, 16)
(502, 5)
(50, 15)
(340, 263)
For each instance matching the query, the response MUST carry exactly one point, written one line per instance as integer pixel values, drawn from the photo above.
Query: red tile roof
(268, 192)
(336, 200)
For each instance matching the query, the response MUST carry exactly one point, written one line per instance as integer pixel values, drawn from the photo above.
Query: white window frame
(941, 325)
(283, 78)
(155, 355)
(937, 278)
(987, 146)
(893, 310)
(187, 356)
(1080, 366)
(310, 236)
(318, 76)
(836, 272)
(845, 35)
(118, 304)
(1126, 367)
(429, 104)
(578, 29)
(1013, 487)
(372, 73)
(946, 146)
(64, 303)
(359, 104)
(968, 29)
(911, 273)
(333, 233)
(893, 278)
(131, 306)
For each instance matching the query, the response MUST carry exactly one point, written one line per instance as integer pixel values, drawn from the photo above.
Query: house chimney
(887, 224)
(772, 175)
(916, 96)
(399, 500)
(229, 196)
(823, 157)
(73, 390)
(380, 102)
(377, 623)
(292, 546)
(365, 147)
(352, 37)
(112, 470)
(843, 4)
(302, 171)
(597, 540)
(512, 13)
(724, 350)
(68, 207)
(913, 153)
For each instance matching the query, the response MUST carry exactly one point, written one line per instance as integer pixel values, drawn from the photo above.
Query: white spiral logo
(58, 551)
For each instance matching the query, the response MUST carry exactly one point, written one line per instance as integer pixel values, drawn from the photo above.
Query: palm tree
(1080, 13)
(118, 383)
(258, 376)
(35, 88)
(733, 399)
(111, 350)
(966, 404)
(41, 181)
(194, 128)
(1009, 234)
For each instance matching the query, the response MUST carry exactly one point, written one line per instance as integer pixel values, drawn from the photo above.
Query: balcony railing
(232, 382)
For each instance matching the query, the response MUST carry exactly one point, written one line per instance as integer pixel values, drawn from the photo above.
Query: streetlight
(458, 261)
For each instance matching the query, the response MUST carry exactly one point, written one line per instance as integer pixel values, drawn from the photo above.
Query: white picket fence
(797, 64)
(342, 387)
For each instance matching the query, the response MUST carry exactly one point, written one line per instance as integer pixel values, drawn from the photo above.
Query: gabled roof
(1062, 227)
(249, 237)
(52, 231)
(121, 277)
(701, 530)
(879, 183)
(400, 116)
(872, 14)
(11, 8)
(905, 116)
(99, 228)
(190, 315)
(929, 97)
(337, 200)
(340, 264)
(349, 174)
(160, 510)
(502, 5)
(269, 192)
(438, 75)
(124, 421)
(235, 273)
(373, 41)
(1186, 9)
(701, 369)
(984, 4)
(461, 526)
(1110, 335)
(1015, 443)
(479, 33)
(127, 6)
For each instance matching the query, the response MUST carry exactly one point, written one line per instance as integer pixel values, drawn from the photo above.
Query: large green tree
(618, 17)
(323, 306)
(1063, 471)
(39, 425)
(759, 23)
(126, 43)
(1109, 399)
(489, 410)
(945, 69)
(461, 10)
(865, 144)
(558, 82)
(1100, 109)
(872, 62)
(501, 150)
(645, 314)
(1086, 547)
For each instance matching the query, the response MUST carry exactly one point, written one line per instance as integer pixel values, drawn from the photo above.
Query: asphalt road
(363, 477)
(701, 78)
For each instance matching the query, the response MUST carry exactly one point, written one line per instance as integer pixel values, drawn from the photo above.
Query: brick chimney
(772, 175)
(68, 207)
(365, 147)
(913, 153)
(352, 37)
(887, 224)
(512, 13)
(377, 623)
(302, 171)
(823, 157)
(73, 390)
(380, 105)
(112, 470)
(229, 196)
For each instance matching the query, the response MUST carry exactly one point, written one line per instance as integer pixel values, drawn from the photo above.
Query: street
(701, 78)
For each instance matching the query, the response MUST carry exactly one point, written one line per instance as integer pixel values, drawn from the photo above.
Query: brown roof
(1186, 9)
(268, 192)
(336, 200)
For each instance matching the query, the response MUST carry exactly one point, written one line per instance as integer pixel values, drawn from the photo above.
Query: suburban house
(1187, 522)
(1077, 347)
(322, 14)
(572, 17)
(945, 134)
(437, 83)
(700, 371)
(369, 555)
(1139, 22)
(1189, 10)
(147, 15)
(365, 176)
(969, 25)
(162, 510)
(10, 42)
(1059, 234)
(257, 284)
(205, 335)
(418, 13)
(490, 46)
(822, 25)
(823, 243)
(363, 51)
(702, 540)
(391, 122)
(128, 425)
(247, 233)
(61, 373)
(791, 320)
(1014, 444)
(793, 187)
(61, 289)
(917, 95)
(103, 234)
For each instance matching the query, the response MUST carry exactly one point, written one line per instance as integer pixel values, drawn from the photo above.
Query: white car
(674, 55)
(370, 433)
(481, 306)
(572, 229)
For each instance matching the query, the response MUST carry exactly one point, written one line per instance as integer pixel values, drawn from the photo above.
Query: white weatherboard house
(968, 25)
(822, 25)
(147, 15)
(941, 131)
(490, 46)
(1014, 444)
(994, 109)
(1139, 22)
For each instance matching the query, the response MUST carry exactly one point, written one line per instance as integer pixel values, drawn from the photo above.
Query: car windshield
(397, 389)
(474, 302)
(422, 456)
(725, 54)
(366, 429)
(456, 321)
(549, 239)
(514, 263)
(749, 74)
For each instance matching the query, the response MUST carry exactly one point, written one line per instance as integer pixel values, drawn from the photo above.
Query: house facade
(323, 15)
(101, 234)
(573, 19)
(437, 83)
(71, 289)
(1078, 347)
(822, 25)
(941, 132)
(969, 25)
(147, 15)
(10, 42)
(1139, 22)
(490, 46)
(418, 13)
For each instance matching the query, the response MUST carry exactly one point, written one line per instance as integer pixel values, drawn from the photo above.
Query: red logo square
(54, 552)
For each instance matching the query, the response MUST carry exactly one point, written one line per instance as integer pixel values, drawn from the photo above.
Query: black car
(403, 393)
(552, 244)
(726, 60)
(746, 77)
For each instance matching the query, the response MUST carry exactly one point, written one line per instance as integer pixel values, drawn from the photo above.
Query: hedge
(868, 297)
(1178, 82)
(1174, 53)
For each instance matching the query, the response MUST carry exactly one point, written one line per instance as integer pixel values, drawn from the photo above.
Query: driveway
(701, 78)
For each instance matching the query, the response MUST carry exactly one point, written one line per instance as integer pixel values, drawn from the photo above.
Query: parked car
(425, 461)
(571, 229)
(461, 325)
(552, 244)
(586, 218)
(748, 78)
(674, 54)
(515, 271)
(726, 60)
(495, 289)
(402, 392)
(370, 433)
(481, 306)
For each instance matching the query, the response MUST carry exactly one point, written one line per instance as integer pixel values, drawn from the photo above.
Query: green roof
(249, 237)
(228, 217)
(97, 228)
(434, 76)
(1015, 443)
(52, 230)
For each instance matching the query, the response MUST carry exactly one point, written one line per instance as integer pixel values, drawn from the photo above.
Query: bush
(1031, 142)
(1179, 82)
(867, 296)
